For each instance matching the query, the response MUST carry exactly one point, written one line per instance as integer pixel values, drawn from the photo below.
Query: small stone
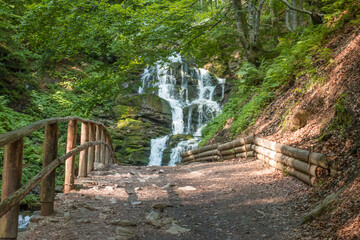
(153, 218)
(59, 189)
(36, 219)
(54, 220)
(66, 215)
(176, 229)
(138, 188)
(83, 221)
(59, 196)
(124, 233)
(113, 200)
(123, 223)
(99, 198)
(132, 173)
(160, 206)
(161, 171)
(136, 203)
(187, 188)
(109, 188)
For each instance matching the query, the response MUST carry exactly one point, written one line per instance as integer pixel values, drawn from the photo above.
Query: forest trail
(239, 199)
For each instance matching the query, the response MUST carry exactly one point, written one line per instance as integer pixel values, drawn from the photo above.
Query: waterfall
(190, 93)
(158, 146)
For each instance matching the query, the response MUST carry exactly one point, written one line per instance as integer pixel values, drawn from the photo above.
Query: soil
(237, 199)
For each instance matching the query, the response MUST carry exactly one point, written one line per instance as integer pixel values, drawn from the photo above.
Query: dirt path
(228, 200)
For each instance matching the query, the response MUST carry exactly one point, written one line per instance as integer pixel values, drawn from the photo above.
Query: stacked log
(238, 148)
(307, 166)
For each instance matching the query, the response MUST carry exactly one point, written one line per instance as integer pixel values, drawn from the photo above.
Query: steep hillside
(323, 115)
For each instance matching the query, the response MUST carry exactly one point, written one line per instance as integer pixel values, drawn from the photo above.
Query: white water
(23, 222)
(158, 146)
(163, 77)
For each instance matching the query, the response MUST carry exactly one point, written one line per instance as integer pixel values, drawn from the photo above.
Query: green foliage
(343, 117)
(257, 86)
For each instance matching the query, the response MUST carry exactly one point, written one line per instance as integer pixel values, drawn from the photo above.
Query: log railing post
(47, 194)
(98, 147)
(107, 152)
(70, 162)
(91, 157)
(11, 181)
(103, 148)
(83, 154)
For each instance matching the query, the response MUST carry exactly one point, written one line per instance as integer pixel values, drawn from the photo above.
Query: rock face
(299, 119)
(139, 118)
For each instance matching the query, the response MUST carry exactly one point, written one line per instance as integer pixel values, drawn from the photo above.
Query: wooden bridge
(95, 146)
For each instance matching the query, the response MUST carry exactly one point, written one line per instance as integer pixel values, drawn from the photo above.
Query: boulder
(299, 119)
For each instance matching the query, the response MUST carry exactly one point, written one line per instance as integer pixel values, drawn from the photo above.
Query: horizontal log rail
(305, 165)
(10, 201)
(95, 146)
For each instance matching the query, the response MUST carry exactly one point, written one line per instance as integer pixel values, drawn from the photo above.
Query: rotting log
(323, 206)
(47, 193)
(7, 203)
(240, 149)
(91, 151)
(98, 147)
(83, 154)
(11, 182)
(70, 162)
(239, 155)
(199, 150)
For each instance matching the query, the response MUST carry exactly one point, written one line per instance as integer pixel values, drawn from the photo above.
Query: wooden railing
(95, 146)
(305, 165)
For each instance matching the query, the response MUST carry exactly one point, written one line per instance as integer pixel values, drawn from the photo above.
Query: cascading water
(190, 93)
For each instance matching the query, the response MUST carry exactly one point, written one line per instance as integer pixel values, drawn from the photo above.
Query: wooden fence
(95, 146)
(307, 166)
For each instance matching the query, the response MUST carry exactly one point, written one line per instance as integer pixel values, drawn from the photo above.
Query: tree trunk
(241, 26)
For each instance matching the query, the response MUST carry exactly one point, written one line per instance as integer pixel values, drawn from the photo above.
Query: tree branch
(300, 10)
(208, 30)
